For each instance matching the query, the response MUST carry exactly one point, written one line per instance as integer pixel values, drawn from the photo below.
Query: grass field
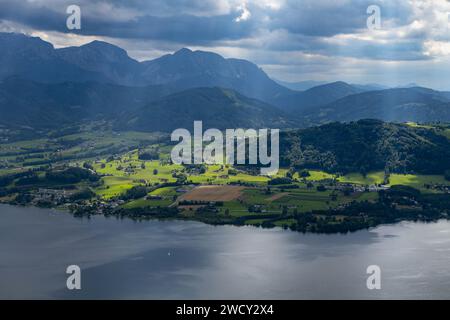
(165, 192)
(213, 193)
(114, 186)
(115, 156)
(301, 199)
(128, 171)
(316, 175)
(143, 203)
(357, 178)
(214, 175)
(416, 181)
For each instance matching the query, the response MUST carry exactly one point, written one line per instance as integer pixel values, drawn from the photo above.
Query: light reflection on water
(189, 260)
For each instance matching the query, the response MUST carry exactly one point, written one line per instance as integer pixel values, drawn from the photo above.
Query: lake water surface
(189, 260)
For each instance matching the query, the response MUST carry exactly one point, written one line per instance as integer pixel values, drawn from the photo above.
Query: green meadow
(357, 178)
(416, 181)
(115, 157)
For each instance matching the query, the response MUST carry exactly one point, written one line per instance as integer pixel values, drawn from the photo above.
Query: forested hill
(366, 145)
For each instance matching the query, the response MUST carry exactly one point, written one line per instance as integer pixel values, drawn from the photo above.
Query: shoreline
(149, 214)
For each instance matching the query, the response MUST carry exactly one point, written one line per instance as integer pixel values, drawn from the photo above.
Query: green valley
(102, 171)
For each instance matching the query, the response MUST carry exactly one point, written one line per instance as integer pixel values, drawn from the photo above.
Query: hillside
(394, 105)
(301, 85)
(103, 58)
(35, 105)
(44, 106)
(216, 107)
(191, 69)
(365, 146)
(35, 59)
(297, 102)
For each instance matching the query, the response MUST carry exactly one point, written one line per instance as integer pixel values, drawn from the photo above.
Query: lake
(124, 259)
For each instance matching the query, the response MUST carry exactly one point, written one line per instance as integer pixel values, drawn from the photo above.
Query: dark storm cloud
(37, 17)
(170, 7)
(188, 20)
(328, 18)
(404, 50)
(306, 25)
(186, 28)
(183, 28)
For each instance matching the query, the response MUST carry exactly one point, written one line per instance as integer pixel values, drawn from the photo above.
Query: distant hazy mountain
(399, 105)
(35, 59)
(25, 103)
(305, 85)
(301, 85)
(100, 80)
(190, 69)
(408, 85)
(317, 96)
(112, 62)
(43, 106)
(370, 86)
(216, 107)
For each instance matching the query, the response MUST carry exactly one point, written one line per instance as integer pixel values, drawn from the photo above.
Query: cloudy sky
(292, 40)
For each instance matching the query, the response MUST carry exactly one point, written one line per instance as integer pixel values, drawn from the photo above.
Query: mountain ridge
(217, 107)
(98, 64)
(298, 101)
(416, 104)
(106, 63)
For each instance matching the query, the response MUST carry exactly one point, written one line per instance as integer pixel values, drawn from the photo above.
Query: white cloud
(245, 13)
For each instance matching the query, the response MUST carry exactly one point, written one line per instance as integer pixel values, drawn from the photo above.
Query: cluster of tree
(289, 187)
(254, 208)
(71, 175)
(304, 174)
(180, 176)
(84, 194)
(195, 168)
(199, 202)
(30, 156)
(135, 192)
(64, 131)
(30, 179)
(152, 154)
(280, 180)
(88, 166)
(148, 212)
(8, 179)
(70, 143)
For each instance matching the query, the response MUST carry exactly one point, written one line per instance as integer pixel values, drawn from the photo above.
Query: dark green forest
(366, 145)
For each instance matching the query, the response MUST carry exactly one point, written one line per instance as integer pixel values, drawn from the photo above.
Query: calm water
(189, 260)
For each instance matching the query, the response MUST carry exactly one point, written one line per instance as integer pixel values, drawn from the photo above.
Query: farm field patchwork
(213, 193)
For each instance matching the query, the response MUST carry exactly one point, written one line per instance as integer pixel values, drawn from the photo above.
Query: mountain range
(43, 87)
(393, 105)
(50, 105)
(230, 110)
